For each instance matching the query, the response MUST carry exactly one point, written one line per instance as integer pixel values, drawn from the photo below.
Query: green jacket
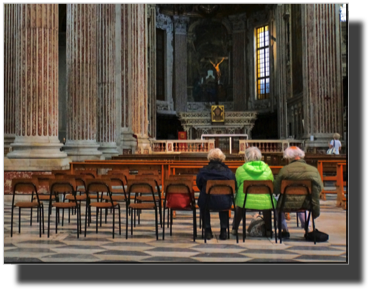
(299, 170)
(253, 170)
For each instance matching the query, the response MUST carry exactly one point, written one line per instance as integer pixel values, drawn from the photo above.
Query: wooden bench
(341, 199)
(328, 166)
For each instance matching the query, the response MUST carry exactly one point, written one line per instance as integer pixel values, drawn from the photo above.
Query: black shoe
(284, 235)
(223, 234)
(208, 234)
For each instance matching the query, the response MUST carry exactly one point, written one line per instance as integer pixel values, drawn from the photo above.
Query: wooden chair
(64, 186)
(258, 187)
(101, 187)
(149, 198)
(300, 188)
(27, 186)
(145, 187)
(183, 188)
(220, 187)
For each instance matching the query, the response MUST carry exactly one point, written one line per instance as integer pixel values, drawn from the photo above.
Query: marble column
(10, 28)
(239, 61)
(322, 73)
(81, 65)
(282, 17)
(36, 81)
(106, 107)
(152, 97)
(180, 63)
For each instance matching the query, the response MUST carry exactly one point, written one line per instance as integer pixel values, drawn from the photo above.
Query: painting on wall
(209, 75)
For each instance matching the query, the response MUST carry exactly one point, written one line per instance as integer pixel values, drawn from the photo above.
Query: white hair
(216, 154)
(252, 153)
(293, 152)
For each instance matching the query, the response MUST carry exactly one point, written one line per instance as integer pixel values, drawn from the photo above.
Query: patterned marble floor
(65, 247)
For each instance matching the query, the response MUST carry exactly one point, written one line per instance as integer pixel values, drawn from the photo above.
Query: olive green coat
(299, 170)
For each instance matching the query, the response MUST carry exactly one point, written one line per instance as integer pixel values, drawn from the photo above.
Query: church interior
(146, 90)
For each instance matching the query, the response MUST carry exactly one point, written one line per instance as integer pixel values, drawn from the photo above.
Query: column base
(36, 147)
(35, 164)
(127, 142)
(81, 150)
(143, 144)
(108, 150)
(8, 140)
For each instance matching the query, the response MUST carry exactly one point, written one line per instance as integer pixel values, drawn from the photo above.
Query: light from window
(262, 55)
(343, 12)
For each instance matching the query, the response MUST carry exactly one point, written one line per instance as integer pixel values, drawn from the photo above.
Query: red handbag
(178, 200)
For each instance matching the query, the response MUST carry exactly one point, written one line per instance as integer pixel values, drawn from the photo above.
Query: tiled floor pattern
(64, 246)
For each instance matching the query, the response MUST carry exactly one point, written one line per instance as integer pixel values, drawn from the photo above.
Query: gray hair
(252, 153)
(293, 152)
(336, 136)
(216, 154)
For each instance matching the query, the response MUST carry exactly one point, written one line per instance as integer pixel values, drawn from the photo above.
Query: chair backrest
(258, 187)
(60, 173)
(150, 177)
(141, 186)
(88, 172)
(178, 185)
(125, 173)
(218, 187)
(24, 185)
(79, 181)
(117, 179)
(62, 185)
(295, 187)
(43, 180)
(98, 185)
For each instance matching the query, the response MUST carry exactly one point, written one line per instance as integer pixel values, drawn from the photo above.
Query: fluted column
(322, 73)
(36, 82)
(81, 63)
(180, 63)
(10, 28)
(139, 90)
(239, 61)
(106, 79)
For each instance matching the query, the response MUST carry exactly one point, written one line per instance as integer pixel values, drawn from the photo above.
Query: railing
(182, 146)
(270, 146)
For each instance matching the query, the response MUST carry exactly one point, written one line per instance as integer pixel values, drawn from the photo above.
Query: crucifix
(218, 73)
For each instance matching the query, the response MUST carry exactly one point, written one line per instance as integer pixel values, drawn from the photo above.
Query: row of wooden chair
(108, 191)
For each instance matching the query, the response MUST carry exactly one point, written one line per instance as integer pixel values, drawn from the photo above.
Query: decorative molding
(164, 22)
(206, 106)
(180, 24)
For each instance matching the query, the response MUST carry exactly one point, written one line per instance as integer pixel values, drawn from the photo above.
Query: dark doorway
(168, 126)
(265, 126)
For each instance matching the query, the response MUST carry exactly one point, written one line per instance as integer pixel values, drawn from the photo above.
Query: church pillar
(10, 28)
(180, 63)
(322, 74)
(127, 141)
(81, 63)
(106, 79)
(282, 17)
(239, 73)
(151, 10)
(139, 73)
(36, 88)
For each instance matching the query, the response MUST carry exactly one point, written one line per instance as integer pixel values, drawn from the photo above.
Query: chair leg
(132, 213)
(97, 216)
(244, 229)
(126, 220)
(12, 220)
(43, 219)
(48, 224)
(119, 220)
(280, 226)
(163, 224)
(156, 219)
(113, 222)
(194, 225)
(19, 220)
(171, 222)
(275, 226)
(31, 216)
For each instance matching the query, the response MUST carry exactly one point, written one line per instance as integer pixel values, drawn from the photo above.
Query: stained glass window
(262, 64)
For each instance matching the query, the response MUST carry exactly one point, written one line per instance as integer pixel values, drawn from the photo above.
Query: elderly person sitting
(297, 169)
(215, 170)
(253, 169)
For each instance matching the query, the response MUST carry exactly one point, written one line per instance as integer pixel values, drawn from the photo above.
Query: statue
(217, 69)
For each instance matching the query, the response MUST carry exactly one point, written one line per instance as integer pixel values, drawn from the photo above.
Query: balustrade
(181, 146)
(269, 146)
